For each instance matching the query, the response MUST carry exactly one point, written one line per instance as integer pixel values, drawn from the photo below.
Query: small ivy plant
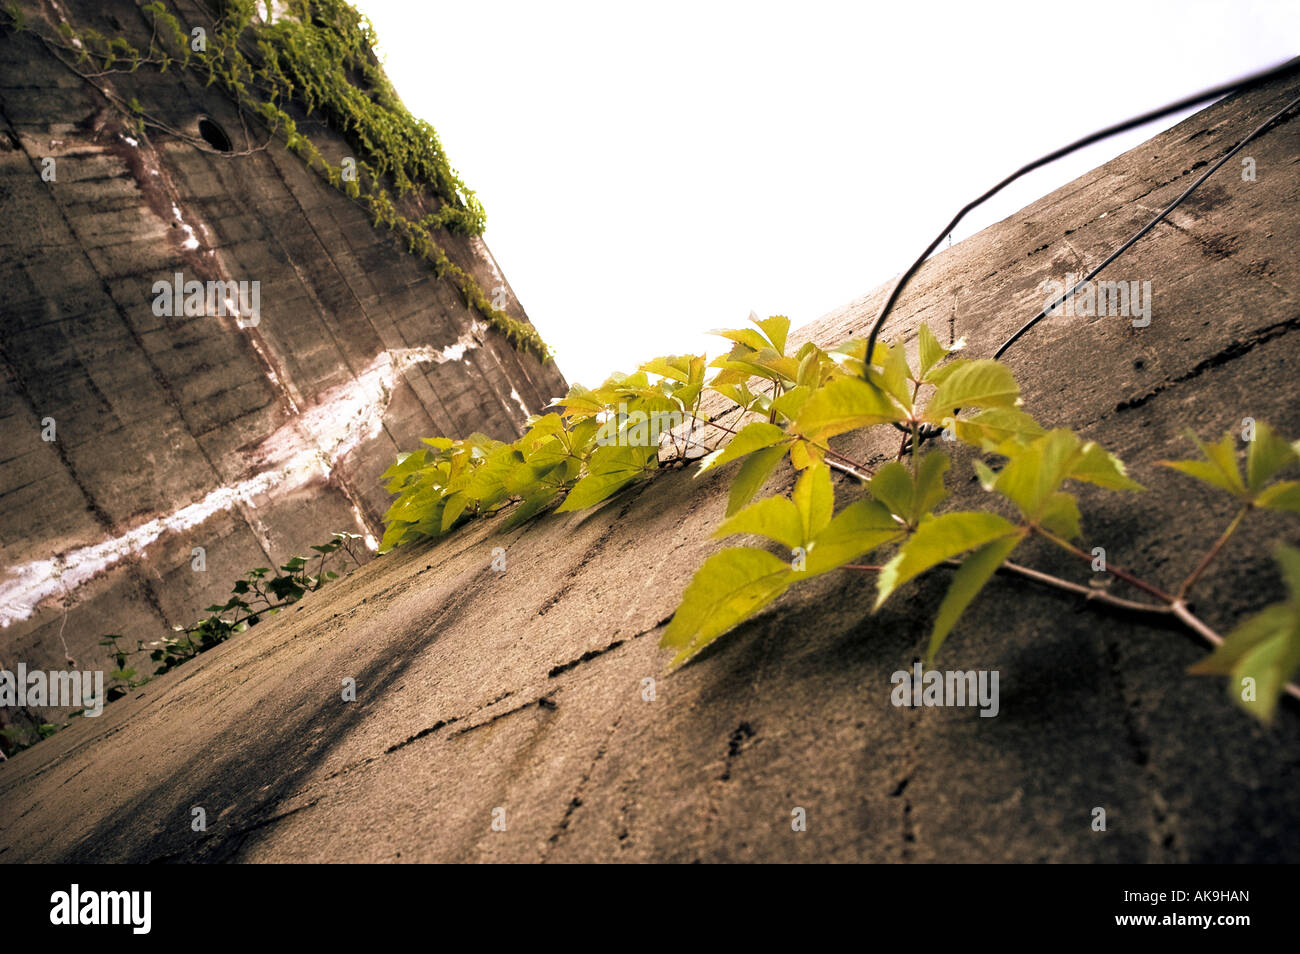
(596, 443)
(261, 593)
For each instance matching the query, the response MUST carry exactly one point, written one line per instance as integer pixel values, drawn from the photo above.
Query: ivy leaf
(1265, 649)
(975, 571)
(997, 430)
(1219, 469)
(752, 475)
(894, 375)
(845, 404)
(775, 328)
(859, 528)
(452, 510)
(529, 507)
(407, 464)
(894, 486)
(987, 478)
(1281, 496)
(610, 469)
(789, 404)
(929, 350)
(938, 539)
(1095, 465)
(579, 403)
(1036, 470)
(745, 336)
(1061, 516)
(814, 499)
(776, 518)
(982, 383)
(752, 437)
(676, 367)
(1268, 455)
(731, 586)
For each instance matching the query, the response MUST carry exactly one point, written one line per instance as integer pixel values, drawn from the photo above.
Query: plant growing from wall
(260, 594)
(599, 442)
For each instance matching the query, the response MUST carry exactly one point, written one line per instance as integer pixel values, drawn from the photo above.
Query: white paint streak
(514, 396)
(305, 449)
(191, 242)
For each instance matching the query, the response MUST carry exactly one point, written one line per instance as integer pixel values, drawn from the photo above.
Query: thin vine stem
(1212, 553)
(1115, 571)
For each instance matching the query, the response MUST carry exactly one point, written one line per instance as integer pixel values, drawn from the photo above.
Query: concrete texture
(360, 351)
(525, 690)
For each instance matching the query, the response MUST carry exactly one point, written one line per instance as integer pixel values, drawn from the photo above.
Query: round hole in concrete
(214, 135)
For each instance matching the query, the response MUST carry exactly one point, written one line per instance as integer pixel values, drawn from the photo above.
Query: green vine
(318, 54)
(601, 441)
(261, 593)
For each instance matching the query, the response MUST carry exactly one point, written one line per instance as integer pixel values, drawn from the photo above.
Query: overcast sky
(652, 171)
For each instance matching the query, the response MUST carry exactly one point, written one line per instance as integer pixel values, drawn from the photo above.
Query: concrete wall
(360, 351)
(524, 690)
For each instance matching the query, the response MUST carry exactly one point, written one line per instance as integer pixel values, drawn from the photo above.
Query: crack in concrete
(576, 801)
(1234, 350)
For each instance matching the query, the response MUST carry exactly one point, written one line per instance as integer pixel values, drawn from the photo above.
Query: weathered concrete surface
(523, 690)
(156, 414)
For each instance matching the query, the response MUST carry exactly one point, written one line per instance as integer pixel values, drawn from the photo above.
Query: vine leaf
(1268, 456)
(752, 475)
(794, 521)
(999, 430)
(776, 328)
(1284, 495)
(1219, 469)
(776, 518)
(1036, 471)
(731, 586)
(814, 499)
(976, 570)
(911, 498)
(610, 469)
(893, 375)
(1264, 649)
(983, 383)
(845, 404)
(857, 529)
(1060, 515)
(752, 437)
(938, 539)
(929, 351)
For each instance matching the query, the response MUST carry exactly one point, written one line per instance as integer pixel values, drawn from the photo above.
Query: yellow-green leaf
(845, 404)
(752, 437)
(731, 586)
(776, 518)
(982, 383)
(938, 539)
(1268, 455)
(860, 527)
(752, 475)
(976, 570)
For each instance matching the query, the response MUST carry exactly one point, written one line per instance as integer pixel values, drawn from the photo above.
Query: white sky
(653, 171)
